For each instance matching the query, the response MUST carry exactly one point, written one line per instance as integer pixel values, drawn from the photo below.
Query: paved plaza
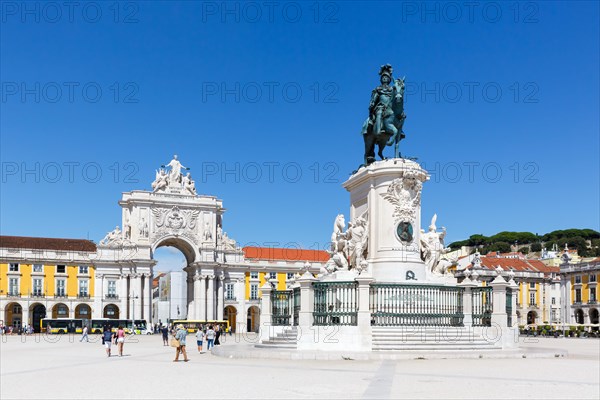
(33, 367)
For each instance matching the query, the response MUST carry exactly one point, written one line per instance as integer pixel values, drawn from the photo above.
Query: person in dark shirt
(165, 335)
(107, 336)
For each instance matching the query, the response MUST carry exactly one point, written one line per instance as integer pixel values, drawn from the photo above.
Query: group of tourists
(108, 337)
(16, 330)
(206, 338)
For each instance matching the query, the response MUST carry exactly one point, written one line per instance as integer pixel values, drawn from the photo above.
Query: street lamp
(133, 297)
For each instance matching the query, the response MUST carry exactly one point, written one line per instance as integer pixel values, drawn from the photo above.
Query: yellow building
(579, 286)
(42, 277)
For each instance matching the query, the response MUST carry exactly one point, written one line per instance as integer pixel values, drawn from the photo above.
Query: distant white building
(171, 300)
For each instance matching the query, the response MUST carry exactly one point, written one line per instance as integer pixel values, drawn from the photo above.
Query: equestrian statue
(383, 127)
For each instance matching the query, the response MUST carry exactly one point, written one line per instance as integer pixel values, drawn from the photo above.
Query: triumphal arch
(171, 214)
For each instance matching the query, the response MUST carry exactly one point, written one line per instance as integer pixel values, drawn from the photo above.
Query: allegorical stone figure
(175, 175)
(386, 116)
(432, 246)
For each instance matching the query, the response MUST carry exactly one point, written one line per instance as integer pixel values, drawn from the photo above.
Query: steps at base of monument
(429, 338)
(433, 346)
(286, 339)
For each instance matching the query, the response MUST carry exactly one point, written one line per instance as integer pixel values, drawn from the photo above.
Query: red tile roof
(517, 264)
(24, 242)
(285, 254)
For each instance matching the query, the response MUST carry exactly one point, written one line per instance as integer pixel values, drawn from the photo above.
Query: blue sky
(265, 106)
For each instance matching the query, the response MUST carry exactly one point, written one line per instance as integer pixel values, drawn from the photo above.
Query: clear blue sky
(512, 87)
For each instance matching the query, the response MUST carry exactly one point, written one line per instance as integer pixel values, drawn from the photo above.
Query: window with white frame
(83, 287)
(17, 309)
(290, 275)
(62, 310)
(38, 268)
(37, 287)
(593, 294)
(593, 278)
(577, 295)
(531, 285)
(111, 290)
(13, 267)
(253, 275)
(83, 269)
(254, 291)
(532, 299)
(61, 287)
(13, 286)
(272, 275)
(229, 294)
(61, 269)
(553, 300)
(577, 278)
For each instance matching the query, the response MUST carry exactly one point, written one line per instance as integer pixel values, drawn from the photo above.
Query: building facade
(579, 286)
(72, 278)
(539, 295)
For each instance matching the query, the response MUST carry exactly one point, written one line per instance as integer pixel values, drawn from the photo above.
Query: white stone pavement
(68, 369)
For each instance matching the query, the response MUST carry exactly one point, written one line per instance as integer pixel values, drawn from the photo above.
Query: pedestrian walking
(199, 338)
(217, 335)
(180, 336)
(84, 334)
(107, 336)
(210, 338)
(120, 340)
(165, 335)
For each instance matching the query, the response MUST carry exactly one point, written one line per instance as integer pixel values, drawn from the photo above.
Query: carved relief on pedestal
(405, 195)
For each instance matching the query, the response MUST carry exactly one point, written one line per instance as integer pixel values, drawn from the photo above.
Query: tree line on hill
(585, 241)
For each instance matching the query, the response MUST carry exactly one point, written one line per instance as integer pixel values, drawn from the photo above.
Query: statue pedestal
(388, 194)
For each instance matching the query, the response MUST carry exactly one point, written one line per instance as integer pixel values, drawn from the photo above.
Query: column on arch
(136, 293)
(147, 310)
(200, 296)
(220, 297)
(125, 309)
(210, 298)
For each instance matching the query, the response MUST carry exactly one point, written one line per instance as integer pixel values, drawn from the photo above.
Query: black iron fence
(336, 303)
(509, 306)
(296, 306)
(281, 307)
(423, 305)
(483, 305)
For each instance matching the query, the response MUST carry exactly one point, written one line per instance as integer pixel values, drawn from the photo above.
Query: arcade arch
(230, 314)
(13, 314)
(60, 310)
(83, 311)
(253, 320)
(111, 311)
(37, 312)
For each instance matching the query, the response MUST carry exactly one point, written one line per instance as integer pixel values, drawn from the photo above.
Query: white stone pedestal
(388, 194)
